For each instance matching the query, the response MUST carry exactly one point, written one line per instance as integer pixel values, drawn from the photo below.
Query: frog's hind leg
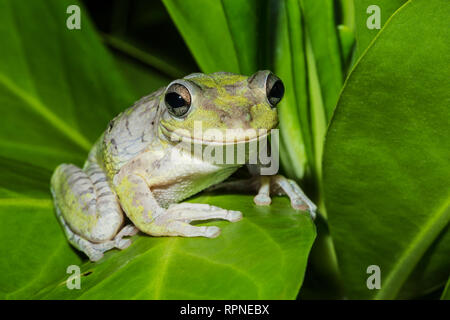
(265, 185)
(93, 250)
(88, 210)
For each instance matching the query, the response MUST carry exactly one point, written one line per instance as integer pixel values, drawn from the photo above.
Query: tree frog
(136, 170)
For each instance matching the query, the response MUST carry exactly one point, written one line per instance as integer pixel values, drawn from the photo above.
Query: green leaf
(224, 35)
(432, 270)
(289, 64)
(346, 29)
(386, 168)
(141, 79)
(203, 34)
(261, 257)
(61, 88)
(347, 13)
(144, 57)
(364, 35)
(323, 35)
(36, 252)
(134, 29)
(446, 293)
(347, 41)
(35, 246)
(59, 85)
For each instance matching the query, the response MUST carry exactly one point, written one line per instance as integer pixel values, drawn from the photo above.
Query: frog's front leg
(282, 185)
(144, 211)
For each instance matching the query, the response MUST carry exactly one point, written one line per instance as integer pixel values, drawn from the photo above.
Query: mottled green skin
(226, 101)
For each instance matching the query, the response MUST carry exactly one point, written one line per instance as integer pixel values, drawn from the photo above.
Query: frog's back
(129, 133)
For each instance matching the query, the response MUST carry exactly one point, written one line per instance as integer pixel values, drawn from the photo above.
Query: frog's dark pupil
(174, 100)
(277, 90)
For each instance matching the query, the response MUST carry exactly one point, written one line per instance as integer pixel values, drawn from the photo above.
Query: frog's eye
(274, 89)
(178, 100)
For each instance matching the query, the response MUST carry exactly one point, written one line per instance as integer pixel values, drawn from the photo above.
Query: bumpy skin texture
(134, 168)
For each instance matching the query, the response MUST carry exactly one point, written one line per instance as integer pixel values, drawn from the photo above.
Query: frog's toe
(188, 212)
(262, 200)
(93, 250)
(234, 216)
(179, 228)
(312, 211)
(123, 243)
(299, 204)
(263, 196)
(93, 254)
(127, 231)
(211, 232)
(298, 198)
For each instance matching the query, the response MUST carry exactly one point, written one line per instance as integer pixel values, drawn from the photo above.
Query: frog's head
(221, 101)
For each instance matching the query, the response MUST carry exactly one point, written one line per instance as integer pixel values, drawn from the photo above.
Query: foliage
(380, 97)
(386, 166)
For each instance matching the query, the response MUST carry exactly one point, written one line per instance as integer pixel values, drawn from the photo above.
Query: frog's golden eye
(274, 89)
(178, 100)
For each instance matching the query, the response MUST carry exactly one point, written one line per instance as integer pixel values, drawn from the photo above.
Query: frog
(137, 176)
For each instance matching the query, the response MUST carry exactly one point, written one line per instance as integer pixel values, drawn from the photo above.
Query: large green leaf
(364, 35)
(261, 257)
(58, 90)
(210, 40)
(386, 168)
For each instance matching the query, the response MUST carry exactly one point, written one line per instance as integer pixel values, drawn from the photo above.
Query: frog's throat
(174, 136)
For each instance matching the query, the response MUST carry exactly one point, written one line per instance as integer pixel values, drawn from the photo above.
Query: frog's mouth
(215, 136)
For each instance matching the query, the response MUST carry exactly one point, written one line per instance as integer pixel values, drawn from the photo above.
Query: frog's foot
(267, 185)
(93, 250)
(176, 219)
(284, 186)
